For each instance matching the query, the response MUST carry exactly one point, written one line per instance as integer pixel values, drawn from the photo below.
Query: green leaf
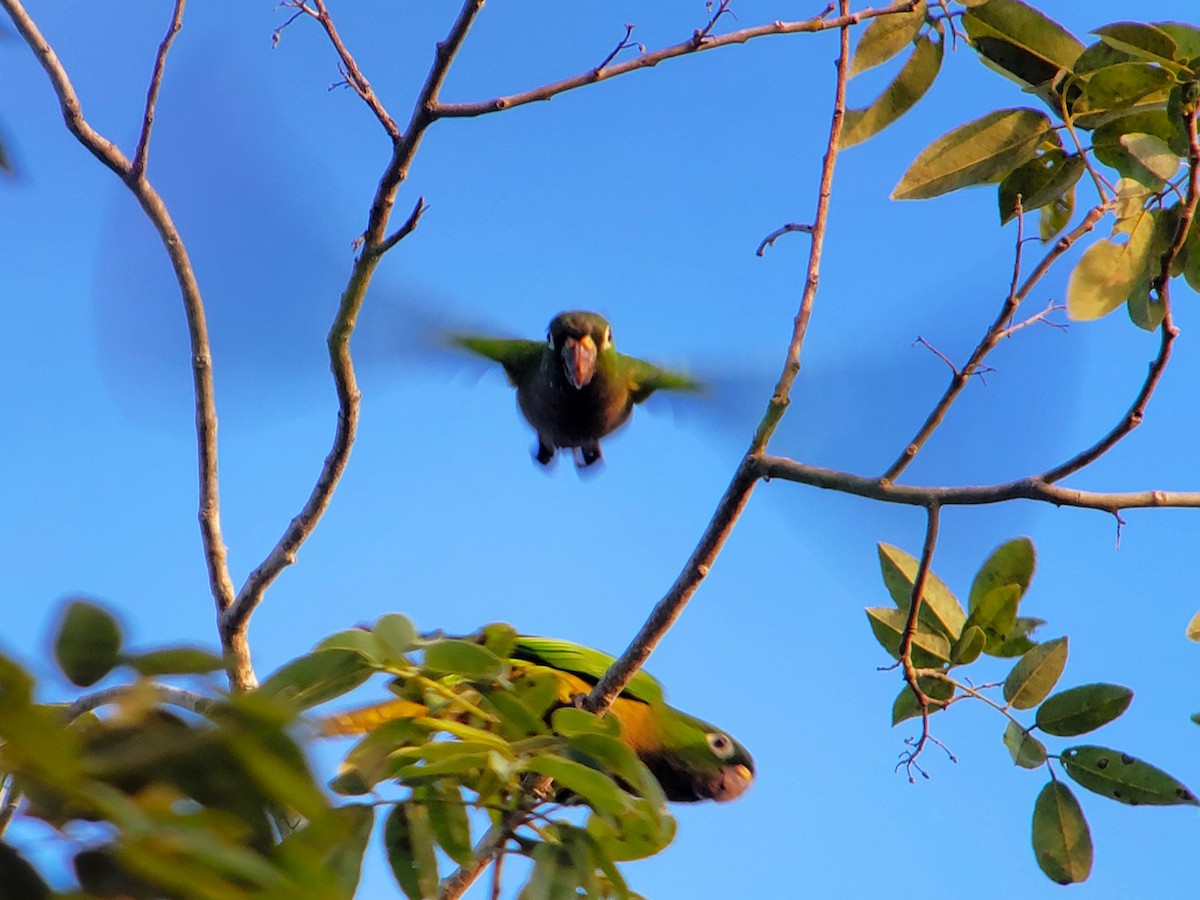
(1082, 709)
(969, 646)
(316, 677)
(1142, 41)
(1039, 182)
(175, 661)
(361, 641)
(902, 93)
(1120, 86)
(408, 840)
(1108, 148)
(1108, 273)
(1013, 562)
(1021, 41)
(596, 789)
(569, 721)
(940, 609)
(553, 877)
(397, 635)
(906, 706)
(1026, 750)
(448, 819)
(929, 650)
(1186, 38)
(1019, 642)
(1123, 778)
(1144, 311)
(1055, 216)
(1193, 628)
(517, 721)
(465, 658)
(886, 36)
(1153, 153)
(643, 832)
(366, 764)
(1062, 842)
(996, 615)
(1035, 674)
(88, 643)
(974, 153)
(614, 756)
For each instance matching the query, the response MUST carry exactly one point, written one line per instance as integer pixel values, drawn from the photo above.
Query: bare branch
(624, 42)
(174, 696)
(409, 226)
(160, 62)
(1032, 488)
(374, 245)
(221, 584)
(649, 60)
(908, 635)
(770, 239)
(990, 339)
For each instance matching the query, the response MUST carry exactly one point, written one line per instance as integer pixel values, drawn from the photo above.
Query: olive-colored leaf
(408, 840)
(1055, 216)
(1120, 86)
(940, 609)
(1062, 842)
(397, 634)
(1026, 750)
(1039, 182)
(1144, 310)
(1153, 153)
(316, 677)
(466, 658)
(1013, 562)
(646, 830)
(599, 791)
(614, 756)
(448, 819)
(906, 705)
(1021, 41)
(617, 888)
(902, 93)
(1108, 273)
(996, 615)
(1019, 643)
(569, 721)
(175, 661)
(1082, 709)
(1108, 148)
(1186, 38)
(88, 643)
(1123, 778)
(361, 641)
(1193, 628)
(1142, 41)
(887, 624)
(974, 153)
(515, 720)
(366, 764)
(1035, 674)
(969, 645)
(553, 876)
(885, 36)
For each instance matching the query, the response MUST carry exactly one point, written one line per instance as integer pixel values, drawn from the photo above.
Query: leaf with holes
(1123, 778)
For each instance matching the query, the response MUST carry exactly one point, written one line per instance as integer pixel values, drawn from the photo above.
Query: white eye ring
(607, 336)
(550, 341)
(720, 744)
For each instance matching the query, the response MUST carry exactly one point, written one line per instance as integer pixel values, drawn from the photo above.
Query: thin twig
(909, 634)
(174, 696)
(1137, 411)
(160, 62)
(241, 673)
(375, 242)
(990, 339)
(1043, 316)
(621, 45)
(770, 239)
(649, 60)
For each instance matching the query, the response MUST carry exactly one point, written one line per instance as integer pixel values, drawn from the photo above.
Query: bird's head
(701, 762)
(579, 338)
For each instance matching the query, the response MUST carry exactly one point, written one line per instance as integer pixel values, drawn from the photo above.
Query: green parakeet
(691, 759)
(574, 388)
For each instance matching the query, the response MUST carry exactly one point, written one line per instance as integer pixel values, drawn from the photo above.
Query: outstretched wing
(585, 662)
(517, 356)
(646, 378)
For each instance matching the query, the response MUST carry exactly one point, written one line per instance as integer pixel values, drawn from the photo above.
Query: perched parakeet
(691, 759)
(574, 388)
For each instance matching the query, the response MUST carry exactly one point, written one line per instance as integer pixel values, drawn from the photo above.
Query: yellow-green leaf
(466, 658)
(1035, 674)
(886, 36)
(408, 840)
(1013, 562)
(88, 643)
(902, 93)
(940, 609)
(1026, 750)
(1142, 41)
(974, 153)
(1108, 273)
(1082, 709)
(1062, 841)
(929, 650)
(1039, 182)
(906, 706)
(969, 645)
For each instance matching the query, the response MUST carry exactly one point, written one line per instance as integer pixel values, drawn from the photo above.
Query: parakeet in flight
(574, 388)
(690, 758)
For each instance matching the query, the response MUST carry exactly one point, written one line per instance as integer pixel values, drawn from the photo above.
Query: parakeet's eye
(720, 744)
(550, 339)
(607, 336)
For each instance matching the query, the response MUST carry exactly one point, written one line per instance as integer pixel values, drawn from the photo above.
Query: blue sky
(643, 198)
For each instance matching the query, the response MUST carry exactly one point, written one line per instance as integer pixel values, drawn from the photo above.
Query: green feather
(585, 662)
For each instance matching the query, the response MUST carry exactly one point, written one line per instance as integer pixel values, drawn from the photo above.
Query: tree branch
(908, 635)
(220, 582)
(160, 62)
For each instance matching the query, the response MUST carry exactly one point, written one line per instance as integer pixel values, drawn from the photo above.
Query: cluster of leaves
(154, 800)
(471, 728)
(1134, 92)
(948, 638)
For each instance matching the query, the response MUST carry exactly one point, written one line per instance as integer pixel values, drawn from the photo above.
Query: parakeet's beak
(579, 360)
(730, 783)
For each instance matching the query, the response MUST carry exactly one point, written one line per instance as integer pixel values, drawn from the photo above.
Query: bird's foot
(544, 453)
(587, 455)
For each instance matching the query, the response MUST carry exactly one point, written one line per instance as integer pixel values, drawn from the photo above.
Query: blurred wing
(585, 662)
(646, 378)
(516, 356)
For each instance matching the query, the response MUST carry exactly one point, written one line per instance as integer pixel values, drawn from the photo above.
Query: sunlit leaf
(617, 757)
(599, 791)
(1082, 709)
(1019, 643)
(1108, 273)
(175, 661)
(397, 635)
(1062, 841)
(887, 624)
(361, 641)
(1039, 182)
(1193, 628)
(974, 153)
(969, 645)
(464, 658)
(1021, 41)
(643, 832)
(88, 643)
(1121, 777)
(1120, 86)
(902, 93)
(940, 609)
(1153, 153)
(886, 36)
(906, 705)
(1186, 38)
(1142, 41)
(1026, 750)
(317, 677)
(569, 721)
(553, 876)
(996, 614)
(1035, 674)
(1055, 216)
